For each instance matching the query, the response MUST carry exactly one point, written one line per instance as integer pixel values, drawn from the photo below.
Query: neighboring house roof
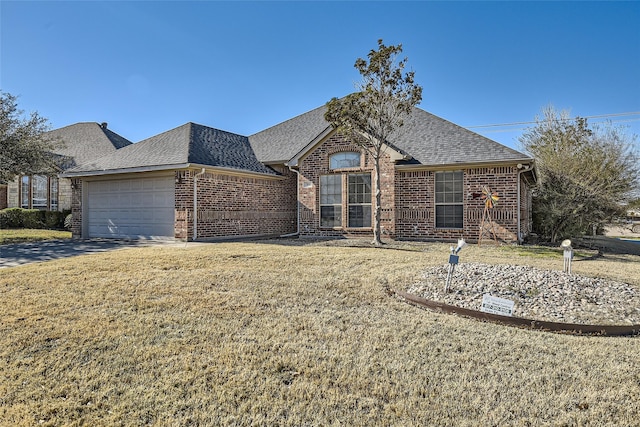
(189, 144)
(428, 139)
(83, 142)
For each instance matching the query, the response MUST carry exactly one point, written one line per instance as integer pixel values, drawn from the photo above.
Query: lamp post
(453, 261)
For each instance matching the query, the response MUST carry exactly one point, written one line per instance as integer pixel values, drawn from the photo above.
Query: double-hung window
(331, 200)
(449, 199)
(359, 200)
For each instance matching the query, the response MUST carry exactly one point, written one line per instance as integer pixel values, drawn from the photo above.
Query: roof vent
(103, 125)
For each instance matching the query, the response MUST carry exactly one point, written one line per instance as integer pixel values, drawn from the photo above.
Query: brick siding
(230, 205)
(76, 208)
(415, 207)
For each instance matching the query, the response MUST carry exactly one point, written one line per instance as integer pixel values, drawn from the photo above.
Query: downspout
(297, 232)
(195, 204)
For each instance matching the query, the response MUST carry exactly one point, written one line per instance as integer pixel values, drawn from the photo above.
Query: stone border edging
(569, 328)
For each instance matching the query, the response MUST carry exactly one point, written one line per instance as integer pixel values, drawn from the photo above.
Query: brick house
(432, 177)
(300, 177)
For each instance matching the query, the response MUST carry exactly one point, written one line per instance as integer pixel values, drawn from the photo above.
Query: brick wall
(76, 207)
(230, 205)
(415, 207)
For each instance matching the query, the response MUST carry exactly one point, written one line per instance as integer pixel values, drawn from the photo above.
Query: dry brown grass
(20, 235)
(269, 334)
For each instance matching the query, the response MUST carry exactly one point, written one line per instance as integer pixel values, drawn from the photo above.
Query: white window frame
(449, 199)
(329, 199)
(359, 200)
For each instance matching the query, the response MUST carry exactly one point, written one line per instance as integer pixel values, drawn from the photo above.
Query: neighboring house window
(449, 207)
(348, 159)
(53, 193)
(331, 200)
(25, 193)
(39, 192)
(359, 200)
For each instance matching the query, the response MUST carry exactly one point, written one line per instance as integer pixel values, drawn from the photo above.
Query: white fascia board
(72, 174)
(224, 170)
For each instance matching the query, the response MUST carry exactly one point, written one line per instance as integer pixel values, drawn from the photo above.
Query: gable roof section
(84, 142)
(281, 142)
(187, 145)
(428, 139)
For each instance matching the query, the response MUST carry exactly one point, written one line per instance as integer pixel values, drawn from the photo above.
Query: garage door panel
(131, 208)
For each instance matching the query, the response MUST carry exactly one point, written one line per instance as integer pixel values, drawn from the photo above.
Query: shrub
(11, 218)
(33, 218)
(53, 219)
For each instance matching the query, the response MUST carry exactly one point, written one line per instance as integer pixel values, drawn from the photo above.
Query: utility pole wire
(633, 113)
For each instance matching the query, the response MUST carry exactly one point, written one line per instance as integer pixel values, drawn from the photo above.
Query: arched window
(347, 159)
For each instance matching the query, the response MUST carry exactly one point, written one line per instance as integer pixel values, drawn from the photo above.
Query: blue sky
(148, 66)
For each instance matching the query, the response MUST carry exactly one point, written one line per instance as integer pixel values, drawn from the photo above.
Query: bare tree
(372, 115)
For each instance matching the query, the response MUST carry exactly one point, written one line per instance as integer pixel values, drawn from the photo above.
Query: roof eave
(141, 169)
(485, 163)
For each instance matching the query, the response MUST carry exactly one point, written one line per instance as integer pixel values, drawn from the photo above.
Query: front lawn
(280, 334)
(24, 235)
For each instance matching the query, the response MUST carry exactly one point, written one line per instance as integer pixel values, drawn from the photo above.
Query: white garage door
(140, 208)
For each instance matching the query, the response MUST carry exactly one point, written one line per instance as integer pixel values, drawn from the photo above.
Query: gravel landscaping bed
(538, 294)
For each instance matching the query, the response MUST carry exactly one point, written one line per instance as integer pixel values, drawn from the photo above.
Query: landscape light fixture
(568, 255)
(453, 261)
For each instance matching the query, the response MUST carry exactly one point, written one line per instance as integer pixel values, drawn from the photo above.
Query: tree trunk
(377, 235)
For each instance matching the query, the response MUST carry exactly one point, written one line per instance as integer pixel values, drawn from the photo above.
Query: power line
(600, 116)
(524, 128)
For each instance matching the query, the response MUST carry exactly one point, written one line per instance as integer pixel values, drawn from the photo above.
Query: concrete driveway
(25, 253)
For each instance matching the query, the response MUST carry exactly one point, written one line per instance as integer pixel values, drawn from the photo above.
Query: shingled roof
(428, 139)
(189, 144)
(83, 142)
(281, 142)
